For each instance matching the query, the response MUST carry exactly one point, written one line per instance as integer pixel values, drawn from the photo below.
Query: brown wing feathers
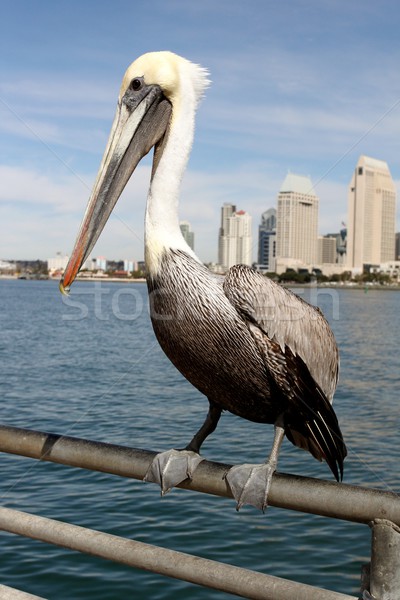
(309, 419)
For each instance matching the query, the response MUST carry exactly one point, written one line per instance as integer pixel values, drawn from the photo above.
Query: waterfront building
(187, 233)
(341, 240)
(341, 247)
(297, 221)
(235, 237)
(267, 241)
(227, 210)
(130, 265)
(89, 265)
(371, 214)
(327, 249)
(391, 268)
(57, 264)
(7, 266)
(101, 263)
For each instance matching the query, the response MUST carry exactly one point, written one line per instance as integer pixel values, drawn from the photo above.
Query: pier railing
(378, 509)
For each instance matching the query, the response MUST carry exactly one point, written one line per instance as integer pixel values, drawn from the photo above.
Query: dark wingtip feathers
(317, 430)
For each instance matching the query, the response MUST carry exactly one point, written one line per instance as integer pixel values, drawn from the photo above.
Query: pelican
(250, 346)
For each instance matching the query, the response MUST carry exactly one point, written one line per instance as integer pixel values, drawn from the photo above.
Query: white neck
(162, 231)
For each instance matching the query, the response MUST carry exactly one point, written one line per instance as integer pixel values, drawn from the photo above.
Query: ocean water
(89, 366)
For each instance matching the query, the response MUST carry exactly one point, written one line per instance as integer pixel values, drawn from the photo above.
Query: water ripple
(105, 378)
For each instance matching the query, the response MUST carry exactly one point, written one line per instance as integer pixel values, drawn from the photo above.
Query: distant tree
(293, 277)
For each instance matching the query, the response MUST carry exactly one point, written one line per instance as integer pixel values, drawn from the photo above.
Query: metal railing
(379, 509)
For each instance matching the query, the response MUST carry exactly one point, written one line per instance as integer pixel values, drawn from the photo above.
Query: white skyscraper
(59, 263)
(235, 238)
(187, 233)
(372, 214)
(297, 220)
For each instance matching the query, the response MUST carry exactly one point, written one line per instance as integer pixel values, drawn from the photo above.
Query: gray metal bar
(329, 499)
(385, 561)
(8, 593)
(201, 571)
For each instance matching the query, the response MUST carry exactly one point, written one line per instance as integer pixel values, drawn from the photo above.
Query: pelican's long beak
(137, 127)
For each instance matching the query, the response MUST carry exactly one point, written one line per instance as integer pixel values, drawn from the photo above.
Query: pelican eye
(136, 84)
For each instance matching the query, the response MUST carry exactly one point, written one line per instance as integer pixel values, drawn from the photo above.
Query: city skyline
(293, 191)
(309, 103)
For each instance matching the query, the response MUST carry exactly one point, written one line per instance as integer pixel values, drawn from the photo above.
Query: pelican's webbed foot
(170, 468)
(250, 484)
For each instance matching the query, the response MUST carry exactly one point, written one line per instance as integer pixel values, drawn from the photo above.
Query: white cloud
(293, 101)
(34, 189)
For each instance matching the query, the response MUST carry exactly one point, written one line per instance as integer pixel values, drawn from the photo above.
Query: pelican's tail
(314, 427)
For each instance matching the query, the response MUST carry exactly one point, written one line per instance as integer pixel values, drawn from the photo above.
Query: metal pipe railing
(201, 571)
(384, 573)
(325, 498)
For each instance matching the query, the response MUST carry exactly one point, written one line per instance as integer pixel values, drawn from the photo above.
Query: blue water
(90, 367)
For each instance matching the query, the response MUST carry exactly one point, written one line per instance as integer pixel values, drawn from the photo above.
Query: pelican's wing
(287, 320)
(301, 359)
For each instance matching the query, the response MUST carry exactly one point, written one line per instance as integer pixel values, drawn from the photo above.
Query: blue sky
(298, 85)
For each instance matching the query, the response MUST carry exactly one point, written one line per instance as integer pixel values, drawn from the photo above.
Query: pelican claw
(250, 484)
(170, 468)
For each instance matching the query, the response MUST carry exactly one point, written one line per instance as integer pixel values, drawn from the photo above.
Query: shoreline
(341, 286)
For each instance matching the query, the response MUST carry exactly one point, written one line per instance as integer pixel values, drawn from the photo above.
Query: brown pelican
(250, 346)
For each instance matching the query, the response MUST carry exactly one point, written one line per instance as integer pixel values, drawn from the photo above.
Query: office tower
(101, 263)
(235, 239)
(327, 249)
(130, 265)
(341, 240)
(227, 210)
(342, 245)
(372, 214)
(59, 263)
(297, 220)
(187, 233)
(267, 240)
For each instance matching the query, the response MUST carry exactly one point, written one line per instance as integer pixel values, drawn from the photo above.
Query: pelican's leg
(206, 429)
(170, 468)
(250, 483)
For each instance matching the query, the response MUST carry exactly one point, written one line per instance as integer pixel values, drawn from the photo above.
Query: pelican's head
(150, 96)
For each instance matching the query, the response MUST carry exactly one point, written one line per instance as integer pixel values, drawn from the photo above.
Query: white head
(158, 96)
(171, 72)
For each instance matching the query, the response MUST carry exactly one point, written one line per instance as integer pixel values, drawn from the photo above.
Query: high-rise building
(371, 214)
(268, 219)
(187, 233)
(227, 210)
(340, 238)
(235, 239)
(130, 265)
(297, 220)
(101, 263)
(59, 263)
(267, 240)
(327, 249)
